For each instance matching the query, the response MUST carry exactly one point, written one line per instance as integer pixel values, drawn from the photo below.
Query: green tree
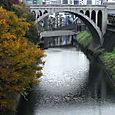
(108, 59)
(32, 34)
(23, 12)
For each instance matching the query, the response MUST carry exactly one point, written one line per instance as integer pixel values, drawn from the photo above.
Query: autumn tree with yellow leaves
(20, 60)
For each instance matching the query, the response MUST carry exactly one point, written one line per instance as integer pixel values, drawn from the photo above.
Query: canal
(71, 85)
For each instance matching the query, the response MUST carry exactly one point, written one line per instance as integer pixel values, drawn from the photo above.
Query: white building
(51, 1)
(28, 2)
(98, 2)
(72, 2)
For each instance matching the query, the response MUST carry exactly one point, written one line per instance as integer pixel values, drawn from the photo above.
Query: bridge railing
(66, 5)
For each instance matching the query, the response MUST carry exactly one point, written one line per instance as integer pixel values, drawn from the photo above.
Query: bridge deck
(70, 6)
(57, 33)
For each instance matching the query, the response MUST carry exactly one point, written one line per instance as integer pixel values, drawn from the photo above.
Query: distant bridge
(95, 17)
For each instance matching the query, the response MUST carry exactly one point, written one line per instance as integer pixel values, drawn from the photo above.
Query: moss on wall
(84, 38)
(108, 58)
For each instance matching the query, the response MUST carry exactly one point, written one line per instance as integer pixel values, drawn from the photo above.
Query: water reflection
(71, 85)
(64, 71)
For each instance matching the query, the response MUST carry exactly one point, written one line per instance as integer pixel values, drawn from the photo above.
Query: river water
(71, 85)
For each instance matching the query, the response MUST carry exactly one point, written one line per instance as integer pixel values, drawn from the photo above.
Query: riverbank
(106, 58)
(12, 110)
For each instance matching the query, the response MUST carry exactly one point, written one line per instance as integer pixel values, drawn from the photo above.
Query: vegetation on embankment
(84, 38)
(108, 58)
(20, 59)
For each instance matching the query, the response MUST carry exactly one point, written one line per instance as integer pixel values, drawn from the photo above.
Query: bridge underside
(56, 33)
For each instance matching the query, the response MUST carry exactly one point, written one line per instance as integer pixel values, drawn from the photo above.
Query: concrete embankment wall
(109, 44)
(109, 40)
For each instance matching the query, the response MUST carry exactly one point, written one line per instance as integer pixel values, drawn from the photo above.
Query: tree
(32, 34)
(7, 4)
(20, 60)
(23, 12)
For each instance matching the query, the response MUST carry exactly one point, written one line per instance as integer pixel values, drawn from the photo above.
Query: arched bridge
(95, 17)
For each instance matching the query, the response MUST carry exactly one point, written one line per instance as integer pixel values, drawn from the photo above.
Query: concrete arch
(87, 13)
(81, 11)
(39, 14)
(94, 29)
(99, 20)
(42, 17)
(93, 16)
(45, 12)
(34, 14)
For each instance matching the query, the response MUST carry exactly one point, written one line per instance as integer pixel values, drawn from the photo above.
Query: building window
(89, 2)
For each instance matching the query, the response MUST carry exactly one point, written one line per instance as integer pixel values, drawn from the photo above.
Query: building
(36, 1)
(53, 2)
(71, 2)
(76, 2)
(89, 2)
(31, 2)
(98, 2)
(64, 2)
(28, 2)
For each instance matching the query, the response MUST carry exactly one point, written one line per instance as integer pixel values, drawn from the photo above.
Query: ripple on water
(62, 74)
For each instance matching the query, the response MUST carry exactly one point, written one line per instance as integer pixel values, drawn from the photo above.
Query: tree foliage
(109, 61)
(84, 38)
(20, 60)
(32, 34)
(23, 12)
(7, 4)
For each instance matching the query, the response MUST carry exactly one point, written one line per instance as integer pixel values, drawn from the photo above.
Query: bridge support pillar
(96, 18)
(90, 14)
(104, 21)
